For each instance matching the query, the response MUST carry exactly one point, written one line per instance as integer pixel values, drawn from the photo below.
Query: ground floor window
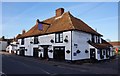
(101, 54)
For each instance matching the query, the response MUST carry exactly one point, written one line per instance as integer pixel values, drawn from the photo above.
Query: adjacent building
(3, 44)
(116, 46)
(63, 37)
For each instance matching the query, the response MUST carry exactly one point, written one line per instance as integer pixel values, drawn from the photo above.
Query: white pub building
(63, 37)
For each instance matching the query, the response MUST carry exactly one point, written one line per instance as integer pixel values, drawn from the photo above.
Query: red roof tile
(115, 43)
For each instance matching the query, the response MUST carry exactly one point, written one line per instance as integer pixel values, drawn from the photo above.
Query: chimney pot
(23, 31)
(59, 11)
(3, 37)
(37, 21)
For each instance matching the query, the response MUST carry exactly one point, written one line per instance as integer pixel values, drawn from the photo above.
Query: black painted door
(22, 51)
(59, 53)
(92, 53)
(35, 52)
(45, 53)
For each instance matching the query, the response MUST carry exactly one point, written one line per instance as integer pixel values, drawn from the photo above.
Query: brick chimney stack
(59, 11)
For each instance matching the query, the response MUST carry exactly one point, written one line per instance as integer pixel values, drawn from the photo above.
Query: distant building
(12, 46)
(3, 43)
(116, 46)
(63, 37)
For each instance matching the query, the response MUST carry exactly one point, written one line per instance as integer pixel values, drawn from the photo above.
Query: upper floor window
(92, 38)
(98, 39)
(36, 40)
(59, 37)
(22, 41)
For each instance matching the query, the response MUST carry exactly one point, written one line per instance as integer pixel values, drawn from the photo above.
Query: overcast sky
(101, 16)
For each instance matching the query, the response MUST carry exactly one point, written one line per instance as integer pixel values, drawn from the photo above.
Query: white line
(73, 69)
(44, 71)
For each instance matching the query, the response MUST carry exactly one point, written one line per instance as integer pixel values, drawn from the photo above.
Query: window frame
(36, 40)
(22, 41)
(59, 37)
(92, 38)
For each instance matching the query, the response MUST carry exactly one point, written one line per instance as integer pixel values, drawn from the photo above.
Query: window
(93, 38)
(103, 52)
(59, 37)
(22, 41)
(36, 40)
(98, 39)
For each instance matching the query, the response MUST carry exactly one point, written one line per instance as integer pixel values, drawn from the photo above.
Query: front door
(59, 53)
(45, 53)
(22, 51)
(107, 53)
(92, 53)
(35, 52)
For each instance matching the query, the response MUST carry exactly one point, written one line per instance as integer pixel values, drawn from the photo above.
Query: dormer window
(22, 41)
(98, 39)
(92, 38)
(36, 40)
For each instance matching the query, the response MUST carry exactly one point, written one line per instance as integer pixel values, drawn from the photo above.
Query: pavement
(13, 64)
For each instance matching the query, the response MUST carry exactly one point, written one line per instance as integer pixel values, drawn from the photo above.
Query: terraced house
(63, 37)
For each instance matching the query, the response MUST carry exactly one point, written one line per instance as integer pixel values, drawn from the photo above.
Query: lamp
(66, 39)
(86, 51)
(68, 51)
(78, 51)
(52, 41)
(50, 51)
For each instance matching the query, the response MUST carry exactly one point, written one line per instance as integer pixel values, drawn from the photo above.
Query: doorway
(92, 54)
(59, 53)
(45, 53)
(22, 51)
(35, 52)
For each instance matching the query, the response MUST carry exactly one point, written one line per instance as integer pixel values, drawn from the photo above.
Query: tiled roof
(2, 39)
(117, 43)
(102, 45)
(64, 22)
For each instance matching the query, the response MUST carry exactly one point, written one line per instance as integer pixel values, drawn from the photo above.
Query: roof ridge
(84, 23)
(69, 14)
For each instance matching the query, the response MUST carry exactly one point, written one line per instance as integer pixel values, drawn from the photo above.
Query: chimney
(59, 11)
(3, 37)
(23, 31)
(37, 21)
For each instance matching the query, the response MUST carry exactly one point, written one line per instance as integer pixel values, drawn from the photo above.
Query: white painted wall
(3, 45)
(80, 38)
(45, 40)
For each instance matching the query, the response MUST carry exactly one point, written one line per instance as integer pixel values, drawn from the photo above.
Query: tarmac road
(15, 65)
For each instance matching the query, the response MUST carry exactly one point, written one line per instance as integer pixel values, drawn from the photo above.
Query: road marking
(44, 71)
(73, 69)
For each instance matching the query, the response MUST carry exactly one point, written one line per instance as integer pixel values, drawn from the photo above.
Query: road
(13, 64)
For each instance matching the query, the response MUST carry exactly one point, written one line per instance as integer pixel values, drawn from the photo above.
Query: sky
(101, 16)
